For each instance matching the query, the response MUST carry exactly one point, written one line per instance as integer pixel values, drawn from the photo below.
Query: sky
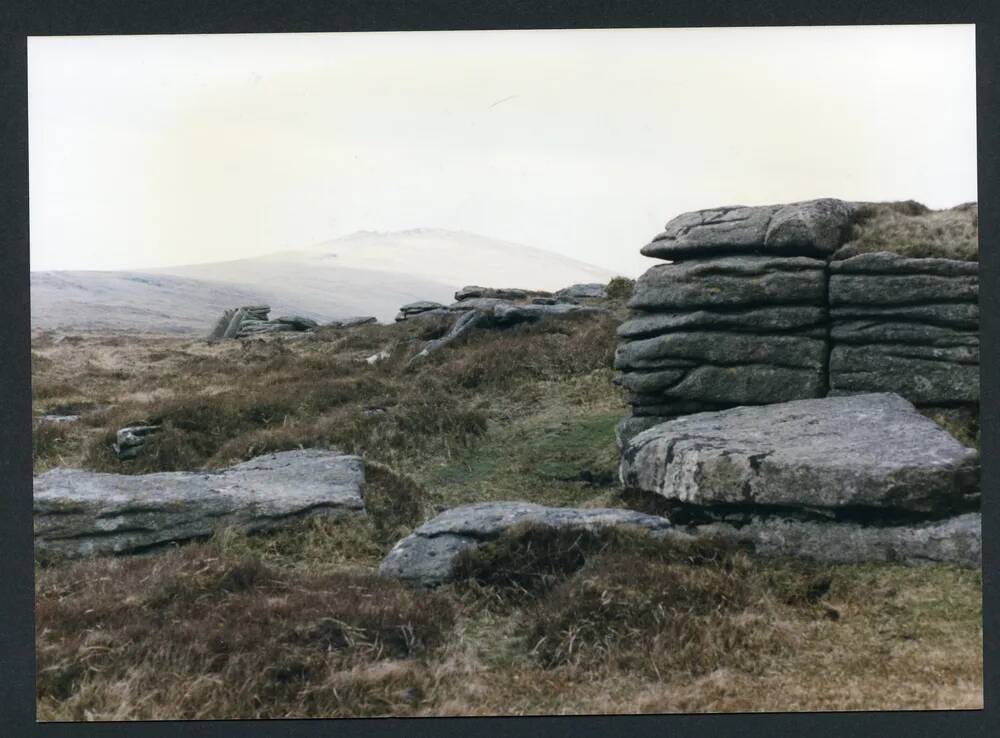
(152, 151)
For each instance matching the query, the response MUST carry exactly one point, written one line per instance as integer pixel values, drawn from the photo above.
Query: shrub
(911, 229)
(620, 288)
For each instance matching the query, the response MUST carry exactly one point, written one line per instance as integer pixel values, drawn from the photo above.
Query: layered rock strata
(905, 325)
(77, 512)
(756, 308)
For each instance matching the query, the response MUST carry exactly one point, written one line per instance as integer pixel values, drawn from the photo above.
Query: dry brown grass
(911, 229)
(293, 623)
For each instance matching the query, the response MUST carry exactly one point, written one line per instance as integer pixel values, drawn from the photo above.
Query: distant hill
(366, 273)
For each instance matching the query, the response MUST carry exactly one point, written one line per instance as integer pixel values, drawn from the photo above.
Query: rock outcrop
(427, 556)
(77, 513)
(866, 475)
(252, 320)
(757, 308)
(485, 308)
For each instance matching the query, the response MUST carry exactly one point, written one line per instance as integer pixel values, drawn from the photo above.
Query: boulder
(77, 513)
(510, 314)
(473, 291)
(954, 315)
(731, 282)
(886, 262)
(353, 322)
(590, 290)
(427, 556)
(220, 327)
(298, 322)
(814, 228)
(871, 451)
(129, 441)
(415, 308)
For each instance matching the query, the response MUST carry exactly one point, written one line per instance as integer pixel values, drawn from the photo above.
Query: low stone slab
(591, 290)
(954, 540)
(299, 322)
(511, 314)
(864, 451)
(77, 512)
(353, 322)
(800, 318)
(731, 282)
(427, 556)
(816, 227)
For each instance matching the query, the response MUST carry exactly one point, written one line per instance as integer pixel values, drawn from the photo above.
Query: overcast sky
(158, 150)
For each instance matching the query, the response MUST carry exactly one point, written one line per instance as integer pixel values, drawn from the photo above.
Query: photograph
(610, 371)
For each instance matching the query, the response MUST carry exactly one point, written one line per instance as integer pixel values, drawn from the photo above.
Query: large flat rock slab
(427, 556)
(77, 512)
(816, 227)
(863, 451)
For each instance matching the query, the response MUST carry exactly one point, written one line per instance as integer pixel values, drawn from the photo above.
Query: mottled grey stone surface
(426, 557)
(863, 451)
(77, 513)
(816, 227)
(803, 319)
(953, 540)
(731, 282)
(722, 349)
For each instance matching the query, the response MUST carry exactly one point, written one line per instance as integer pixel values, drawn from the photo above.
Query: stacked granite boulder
(740, 315)
(252, 320)
(766, 304)
(905, 325)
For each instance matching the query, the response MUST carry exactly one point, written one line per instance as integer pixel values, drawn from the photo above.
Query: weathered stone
(894, 368)
(220, 327)
(632, 426)
(864, 451)
(731, 281)
(721, 349)
(427, 556)
(234, 323)
(886, 262)
(415, 308)
(543, 301)
(467, 322)
(956, 315)
(58, 418)
(511, 314)
(78, 512)
(503, 293)
(867, 331)
(954, 540)
(804, 319)
(478, 303)
(901, 289)
(748, 384)
(298, 322)
(129, 441)
(590, 290)
(353, 322)
(815, 228)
